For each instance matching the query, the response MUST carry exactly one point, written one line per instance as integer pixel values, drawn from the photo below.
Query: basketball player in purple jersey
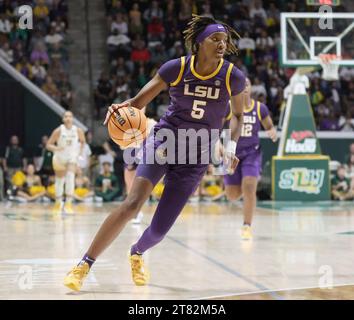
(200, 87)
(245, 178)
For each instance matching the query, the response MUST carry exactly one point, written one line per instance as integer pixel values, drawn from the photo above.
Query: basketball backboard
(306, 35)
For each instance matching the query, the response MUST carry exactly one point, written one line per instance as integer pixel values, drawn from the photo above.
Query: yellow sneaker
(75, 278)
(140, 273)
(68, 208)
(246, 233)
(57, 207)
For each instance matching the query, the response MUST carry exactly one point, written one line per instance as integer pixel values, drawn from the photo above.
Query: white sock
(69, 184)
(59, 188)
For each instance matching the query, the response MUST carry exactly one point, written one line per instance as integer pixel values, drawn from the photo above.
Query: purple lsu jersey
(252, 117)
(248, 150)
(199, 101)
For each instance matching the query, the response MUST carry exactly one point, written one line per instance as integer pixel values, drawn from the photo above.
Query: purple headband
(211, 28)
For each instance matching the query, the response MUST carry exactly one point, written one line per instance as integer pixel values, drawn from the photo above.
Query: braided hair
(198, 23)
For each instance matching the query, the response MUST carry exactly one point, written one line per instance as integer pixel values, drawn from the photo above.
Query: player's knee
(249, 189)
(232, 195)
(131, 206)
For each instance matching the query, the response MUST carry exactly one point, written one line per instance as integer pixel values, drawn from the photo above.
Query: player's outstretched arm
(144, 96)
(268, 125)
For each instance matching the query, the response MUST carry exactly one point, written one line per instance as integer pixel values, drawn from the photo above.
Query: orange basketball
(127, 127)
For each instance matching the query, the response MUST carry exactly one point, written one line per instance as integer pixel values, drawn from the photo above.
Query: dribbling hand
(114, 107)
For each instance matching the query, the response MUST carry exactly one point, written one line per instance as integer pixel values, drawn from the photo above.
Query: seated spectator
(53, 37)
(141, 79)
(108, 156)
(115, 8)
(58, 52)
(159, 55)
(39, 73)
(140, 53)
(346, 123)
(66, 92)
(211, 187)
(135, 26)
(185, 13)
(82, 186)
(5, 24)
(206, 10)
(41, 12)
(120, 86)
(317, 96)
(324, 109)
(59, 25)
(38, 38)
(24, 67)
(153, 12)
(39, 53)
(7, 53)
(258, 88)
(50, 88)
(117, 44)
(119, 67)
(257, 13)
(330, 123)
(264, 41)
(341, 185)
(155, 31)
(246, 43)
(14, 159)
(31, 189)
(106, 185)
(101, 93)
(273, 17)
(119, 24)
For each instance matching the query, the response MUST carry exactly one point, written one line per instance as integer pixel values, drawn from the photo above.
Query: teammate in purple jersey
(200, 87)
(245, 178)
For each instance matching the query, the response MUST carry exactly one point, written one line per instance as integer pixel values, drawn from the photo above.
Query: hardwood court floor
(296, 250)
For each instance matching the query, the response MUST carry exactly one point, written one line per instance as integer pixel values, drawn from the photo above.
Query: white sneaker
(138, 218)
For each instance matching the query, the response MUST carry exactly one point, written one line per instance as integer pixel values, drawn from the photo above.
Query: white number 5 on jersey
(198, 113)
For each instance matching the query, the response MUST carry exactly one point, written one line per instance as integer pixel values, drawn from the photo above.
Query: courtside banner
(300, 129)
(301, 178)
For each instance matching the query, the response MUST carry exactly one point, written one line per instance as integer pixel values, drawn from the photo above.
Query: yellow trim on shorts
(181, 70)
(216, 71)
(228, 75)
(251, 107)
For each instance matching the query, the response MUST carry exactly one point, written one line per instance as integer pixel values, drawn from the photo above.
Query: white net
(330, 69)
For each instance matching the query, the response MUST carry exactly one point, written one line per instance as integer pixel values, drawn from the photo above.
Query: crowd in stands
(99, 175)
(142, 36)
(145, 34)
(40, 54)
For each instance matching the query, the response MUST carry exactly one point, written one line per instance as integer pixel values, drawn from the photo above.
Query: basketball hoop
(330, 69)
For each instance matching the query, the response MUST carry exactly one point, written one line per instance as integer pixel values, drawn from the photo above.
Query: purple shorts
(181, 175)
(250, 165)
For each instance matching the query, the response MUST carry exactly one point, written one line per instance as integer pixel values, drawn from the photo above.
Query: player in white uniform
(66, 142)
